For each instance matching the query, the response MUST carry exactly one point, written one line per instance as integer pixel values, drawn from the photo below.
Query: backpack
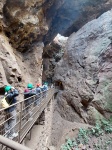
(26, 90)
(4, 103)
(44, 88)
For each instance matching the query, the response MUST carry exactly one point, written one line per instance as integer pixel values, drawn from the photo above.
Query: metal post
(41, 98)
(52, 97)
(30, 134)
(20, 120)
(2, 146)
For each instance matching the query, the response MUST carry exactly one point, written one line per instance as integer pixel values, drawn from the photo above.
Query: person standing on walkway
(38, 93)
(10, 94)
(44, 89)
(28, 93)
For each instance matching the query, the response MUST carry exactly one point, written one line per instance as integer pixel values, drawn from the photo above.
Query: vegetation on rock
(96, 138)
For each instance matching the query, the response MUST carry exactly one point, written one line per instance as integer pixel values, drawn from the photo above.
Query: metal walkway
(26, 116)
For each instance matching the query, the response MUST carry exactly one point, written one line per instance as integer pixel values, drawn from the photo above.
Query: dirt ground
(41, 133)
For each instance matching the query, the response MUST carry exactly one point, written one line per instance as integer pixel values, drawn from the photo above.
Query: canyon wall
(22, 26)
(19, 69)
(25, 25)
(65, 17)
(86, 72)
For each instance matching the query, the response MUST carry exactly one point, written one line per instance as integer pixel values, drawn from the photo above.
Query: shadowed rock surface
(66, 17)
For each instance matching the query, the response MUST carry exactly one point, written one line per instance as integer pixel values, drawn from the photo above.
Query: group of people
(10, 95)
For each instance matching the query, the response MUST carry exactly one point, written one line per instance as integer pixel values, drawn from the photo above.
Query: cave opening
(85, 103)
(2, 91)
(59, 85)
(19, 79)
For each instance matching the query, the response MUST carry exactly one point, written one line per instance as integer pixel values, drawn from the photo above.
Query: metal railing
(12, 145)
(24, 116)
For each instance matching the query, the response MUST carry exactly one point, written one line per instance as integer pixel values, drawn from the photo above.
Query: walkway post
(20, 119)
(53, 96)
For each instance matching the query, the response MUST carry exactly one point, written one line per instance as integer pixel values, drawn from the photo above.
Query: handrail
(11, 144)
(23, 100)
(23, 126)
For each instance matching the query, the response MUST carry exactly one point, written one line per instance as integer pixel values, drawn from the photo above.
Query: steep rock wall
(22, 26)
(19, 69)
(86, 72)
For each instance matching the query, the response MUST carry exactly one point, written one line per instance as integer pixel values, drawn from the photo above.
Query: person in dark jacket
(10, 94)
(29, 92)
(38, 94)
(44, 89)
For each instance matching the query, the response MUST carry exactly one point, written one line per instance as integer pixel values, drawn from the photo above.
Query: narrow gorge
(69, 45)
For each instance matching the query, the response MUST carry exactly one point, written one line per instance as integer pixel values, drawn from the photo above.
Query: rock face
(65, 17)
(83, 75)
(23, 27)
(23, 22)
(18, 69)
(10, 71)
(85, 72)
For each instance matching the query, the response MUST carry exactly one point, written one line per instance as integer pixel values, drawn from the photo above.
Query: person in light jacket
(10, 93)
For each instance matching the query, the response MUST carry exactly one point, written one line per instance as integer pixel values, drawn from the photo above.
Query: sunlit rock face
(68, 16)
(86, 72)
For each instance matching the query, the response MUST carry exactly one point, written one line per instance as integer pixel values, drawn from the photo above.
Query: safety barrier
(26, 114)
(11, 145)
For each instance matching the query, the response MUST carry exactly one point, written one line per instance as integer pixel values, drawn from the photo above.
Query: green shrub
(107, 126)
(69, 144)
(97, 130)
(84, 135)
